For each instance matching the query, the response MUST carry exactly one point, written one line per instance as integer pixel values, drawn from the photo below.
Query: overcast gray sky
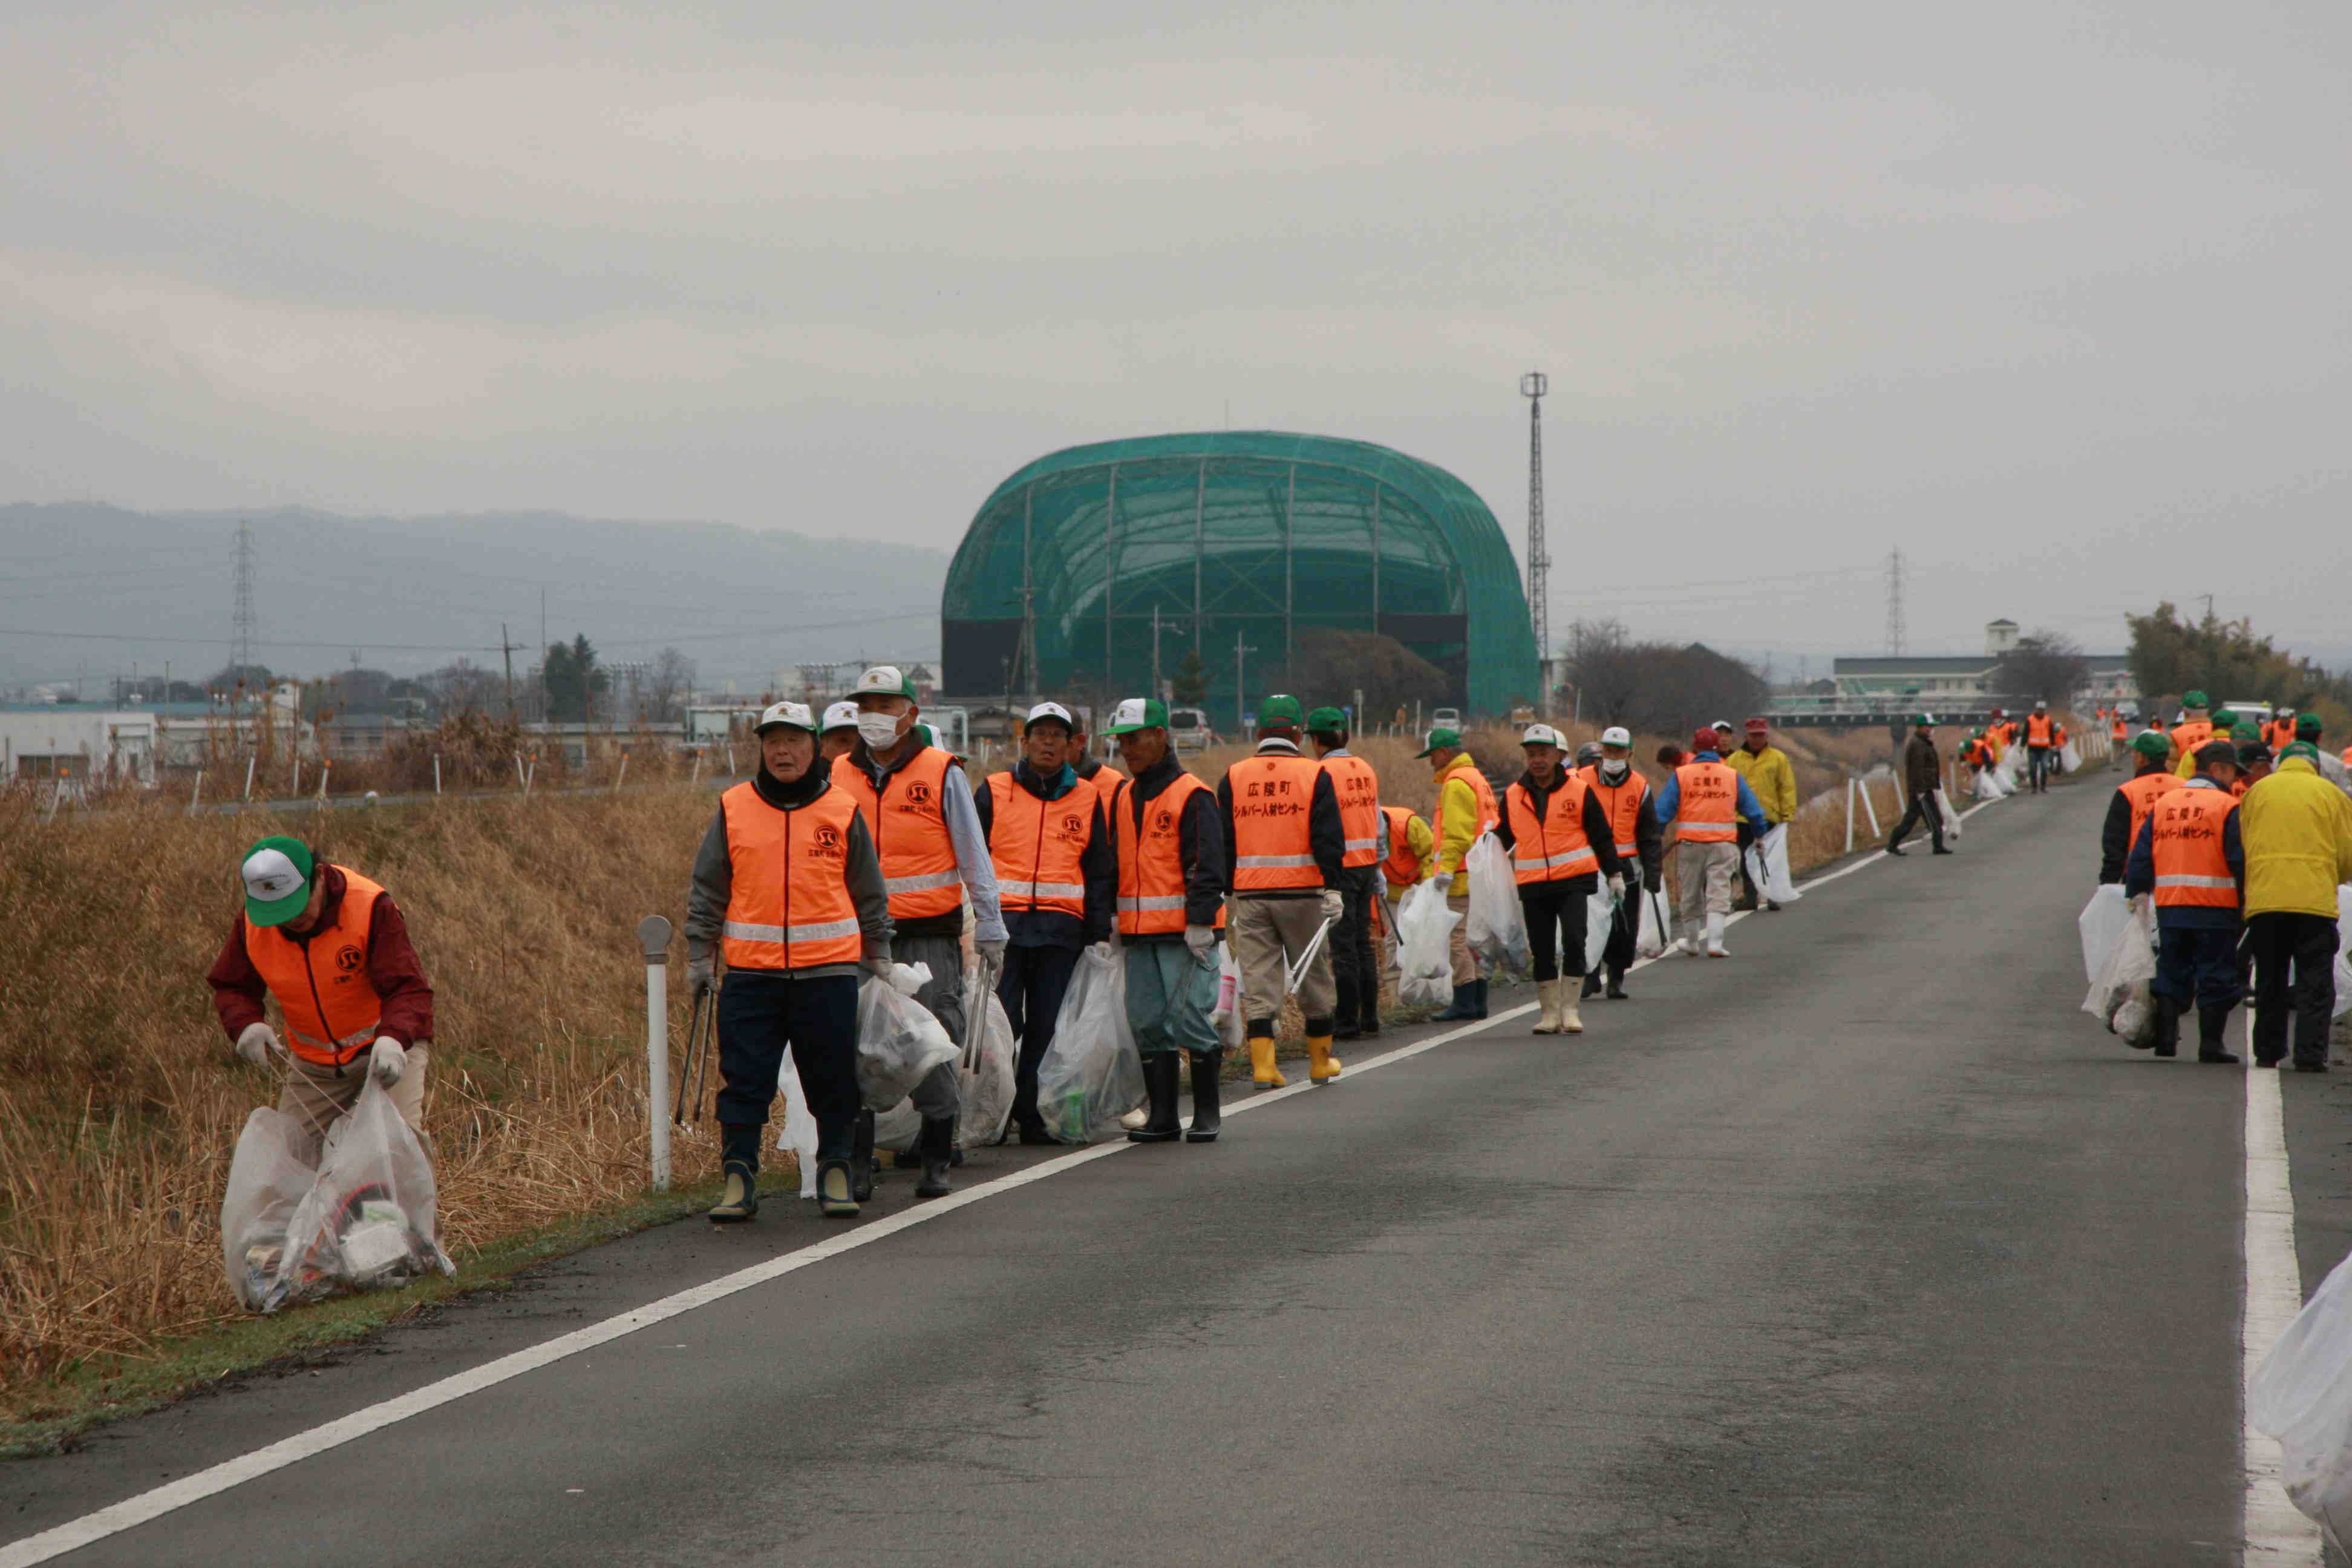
(2051, 294)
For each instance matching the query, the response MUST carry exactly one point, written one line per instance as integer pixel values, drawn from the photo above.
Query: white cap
(2043, 703)
(886, 678)
(1541, 735)
(270, 875)
(1616, 735)
(841, 716)
(1050, 711)
(1720, 724)
(795, 714)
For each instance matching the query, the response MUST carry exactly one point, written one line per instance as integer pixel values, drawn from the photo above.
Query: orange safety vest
(1551, 848)
(1038, 847)
(2191, 871)
(1488, 813)
(1403, 868)
(2037, 728)
(1625, 803)
(332, 1009)
(909, 828)
(788, 906)
(2281, 734)
(1273, 795)
(1708, 809)
(1151, 856)
(1359, 789)
(2188, 737)
(2118, 731)
(2142, 792)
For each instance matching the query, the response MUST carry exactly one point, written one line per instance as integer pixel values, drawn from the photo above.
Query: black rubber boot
(1160, 1082)
(2211, 1022)
(2168, 1027)
(1616, 992)
(1459, 1008)
(1345, 1024)
(1208, 1114)
(861, 1159)
(1591, 986)
(1478, 990)
(938, 1144)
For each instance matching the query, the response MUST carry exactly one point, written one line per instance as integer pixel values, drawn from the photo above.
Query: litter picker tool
(1307, 956)
(691, 1071)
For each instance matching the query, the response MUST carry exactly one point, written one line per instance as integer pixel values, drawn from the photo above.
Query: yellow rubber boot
(1322, 1067)
(1263, 1072)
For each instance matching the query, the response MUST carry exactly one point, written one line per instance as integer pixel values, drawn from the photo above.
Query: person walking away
(1282, 818)
(788, 889)
(1769, 773)
(1466, 808)
(2193, 730)
(1633, 832)
(919, 813)
(1702, 804)
(1056, 882)
(334, 949)
(2296, 830)
(1561, 844)
(1923, 772)
(2118, 738)
(2042, 739)
(1355, 973)
(1170, 849)
(2279, 734)
(837, 736)
(2188, 855)
(2128, 807)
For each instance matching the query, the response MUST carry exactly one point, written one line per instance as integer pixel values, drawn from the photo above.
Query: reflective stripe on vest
(788, 902)
(330, 1006)
(1151, 842)
(1358, 791)
(2192, 870)
(1624, 803)
(1039, 847)
(1274, 797)
(2037, 730)
(1708, 811)
(1551, 848)
(907, 821)
(1402, 867)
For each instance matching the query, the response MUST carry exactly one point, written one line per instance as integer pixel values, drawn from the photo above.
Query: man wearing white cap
(1562, 846)
(334, 950)
(920, 811)
(1057, 881)
(837, 736)
(788, 889)
(1624, 795)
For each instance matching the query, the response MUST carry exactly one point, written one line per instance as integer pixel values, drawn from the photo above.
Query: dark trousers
(2041, 766)
(1354, 970)
(1555, 916)
(2294, 972)
(1618, 956)
(2197, 965)
(761, 1013)
(1031, 987)
(1923, 808)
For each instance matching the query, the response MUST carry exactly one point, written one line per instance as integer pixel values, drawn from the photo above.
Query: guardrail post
(197, 793)
(1871, 807)
(1849, 813)
(653, 936)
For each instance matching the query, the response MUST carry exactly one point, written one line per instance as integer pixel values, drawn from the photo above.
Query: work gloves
(255, 1042)
(700, 975)
(1332, 904)
(387, 1059)
(1203, 940)
(877, 964)
(1653, 882)
(1444, 880)
(990, 950)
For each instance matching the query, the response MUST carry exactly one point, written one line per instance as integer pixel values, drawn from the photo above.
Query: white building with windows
(1955, 681)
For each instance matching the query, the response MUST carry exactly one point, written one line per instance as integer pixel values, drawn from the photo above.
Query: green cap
(2307, 726)
(2299, 749)
(2194, 700)
(2221, 717)
(2245, 730)
(1439, 740)
(1137, 713)
(1278, 709)
(1922, 721)
(277, 873)
(2149, 743)
(1327, 719)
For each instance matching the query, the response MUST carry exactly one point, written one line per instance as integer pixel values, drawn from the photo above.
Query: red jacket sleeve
(398, 977)
(238, 991)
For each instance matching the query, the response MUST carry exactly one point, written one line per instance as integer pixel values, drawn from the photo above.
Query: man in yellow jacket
(1769, 774)
(2296, 829)
(1466, 808)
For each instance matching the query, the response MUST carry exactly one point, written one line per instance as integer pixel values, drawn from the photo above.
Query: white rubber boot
(1570, 1021)
(1548, 991)
(1714, 948)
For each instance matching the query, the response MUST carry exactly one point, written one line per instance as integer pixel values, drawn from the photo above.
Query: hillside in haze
(90, 590)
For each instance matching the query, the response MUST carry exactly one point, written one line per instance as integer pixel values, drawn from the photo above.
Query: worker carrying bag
(1425, 939)
(898, 1041)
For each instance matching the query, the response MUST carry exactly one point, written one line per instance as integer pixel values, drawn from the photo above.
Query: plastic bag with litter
(1988, 785)
(1091, 1074)
(1600, 920)
(1226, 1017)
(2120, 997)
(2302, 1395)
(1424, 936)
(898, 1041)
(1498, 930)
(2343, 958)
(1655, 934)
(266, 1182)
(985, 1071)
(1952, 824)
(2069, 760)
(798, 1132)
(365, 1222)
(1768, 866)
(2101, 925)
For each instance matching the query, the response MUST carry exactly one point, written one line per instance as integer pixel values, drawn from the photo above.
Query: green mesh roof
(1254, 536)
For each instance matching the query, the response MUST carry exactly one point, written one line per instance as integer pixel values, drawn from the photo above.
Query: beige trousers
(1457, 946)
(1703, 874)
(314, 1096)
(1268, 935)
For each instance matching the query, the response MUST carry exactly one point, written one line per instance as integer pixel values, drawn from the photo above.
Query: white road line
(2278, 1533)
(153, 1504)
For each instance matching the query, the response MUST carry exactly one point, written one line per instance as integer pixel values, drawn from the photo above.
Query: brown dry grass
(120, 1102)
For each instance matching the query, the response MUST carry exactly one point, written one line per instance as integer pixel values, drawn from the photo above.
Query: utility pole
(1241, 686)
(1898, 637)
(506, 648)
(1532, 386)
(242, 620)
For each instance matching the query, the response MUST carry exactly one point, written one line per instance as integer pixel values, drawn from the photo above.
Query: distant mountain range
(92, 591)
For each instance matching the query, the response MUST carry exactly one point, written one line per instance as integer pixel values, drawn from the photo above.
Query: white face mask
(1615, 771)
(878, 731)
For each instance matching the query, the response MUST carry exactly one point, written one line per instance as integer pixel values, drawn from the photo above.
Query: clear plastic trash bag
(1498, 930)
(1988, 785)
(798, 1132)
(2069, 760)
(1655, 935)
(2343, 958)
(1952, 824)
(2120, 997)
(985, 1071)
(2302, 1395)
(1424, 936)
(2101, 925)
(365, 1221)
(898, 1041)
(1226, 1017)
(1599, 918)
(1091, 1074)
(1768, 866)
(266, 1182)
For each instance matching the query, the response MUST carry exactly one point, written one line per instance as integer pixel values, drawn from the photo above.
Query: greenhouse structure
(1233, 544)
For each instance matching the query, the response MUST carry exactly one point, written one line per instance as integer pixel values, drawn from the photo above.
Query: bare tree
(465, 687)
(1328, 666)
(668, 686)
(2044, 666)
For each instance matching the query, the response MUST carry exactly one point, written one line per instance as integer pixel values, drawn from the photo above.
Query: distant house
(1953, 680)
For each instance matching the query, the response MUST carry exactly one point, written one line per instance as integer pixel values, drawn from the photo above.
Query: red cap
(1705, 741)
(1759, 727)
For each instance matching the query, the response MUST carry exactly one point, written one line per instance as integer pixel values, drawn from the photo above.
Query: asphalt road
(1863, 1246)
